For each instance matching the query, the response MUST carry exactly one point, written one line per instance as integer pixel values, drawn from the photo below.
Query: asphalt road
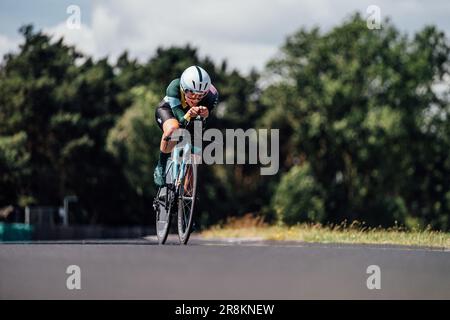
(140, 269)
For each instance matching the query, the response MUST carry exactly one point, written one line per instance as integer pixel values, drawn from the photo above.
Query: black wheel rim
(164, 199)
(186, 203)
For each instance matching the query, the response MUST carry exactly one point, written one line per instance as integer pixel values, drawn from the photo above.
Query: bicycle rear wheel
(164, 203)
(186, 202)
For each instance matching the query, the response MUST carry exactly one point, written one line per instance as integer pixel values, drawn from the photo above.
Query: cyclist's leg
(168, 124)
(169, 127)
(188, 181)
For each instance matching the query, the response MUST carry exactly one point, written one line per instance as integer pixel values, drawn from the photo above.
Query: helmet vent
(199, 74)
(193, 82)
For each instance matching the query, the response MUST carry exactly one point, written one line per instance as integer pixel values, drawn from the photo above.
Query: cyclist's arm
(174, 101)
(211, 102)
(180, 115)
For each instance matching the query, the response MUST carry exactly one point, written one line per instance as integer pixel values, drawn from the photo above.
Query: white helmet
(195, 80)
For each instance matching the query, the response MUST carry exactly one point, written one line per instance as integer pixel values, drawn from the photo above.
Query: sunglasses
(194, 96)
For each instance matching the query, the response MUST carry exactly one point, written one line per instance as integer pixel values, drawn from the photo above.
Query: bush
(299, 197)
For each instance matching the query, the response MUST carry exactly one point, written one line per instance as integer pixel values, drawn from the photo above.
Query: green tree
(298, 197)
(134, 142)
(61, 105)
(14, 166)
(353, 103)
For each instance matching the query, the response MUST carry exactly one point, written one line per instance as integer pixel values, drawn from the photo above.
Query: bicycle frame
(184, 156)
(180, 162)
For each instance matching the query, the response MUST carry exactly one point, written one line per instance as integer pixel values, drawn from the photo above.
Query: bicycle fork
(179, 164)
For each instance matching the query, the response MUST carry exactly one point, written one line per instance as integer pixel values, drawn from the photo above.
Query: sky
(247, 33)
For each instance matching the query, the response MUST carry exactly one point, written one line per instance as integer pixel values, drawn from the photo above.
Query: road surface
(213, 269)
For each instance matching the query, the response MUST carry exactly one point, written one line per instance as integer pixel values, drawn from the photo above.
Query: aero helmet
(195, 80)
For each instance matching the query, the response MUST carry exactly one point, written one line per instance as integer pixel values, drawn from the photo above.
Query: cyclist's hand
(203, 112)
(193, 112)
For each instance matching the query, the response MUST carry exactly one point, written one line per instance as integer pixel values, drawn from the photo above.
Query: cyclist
(186, 97)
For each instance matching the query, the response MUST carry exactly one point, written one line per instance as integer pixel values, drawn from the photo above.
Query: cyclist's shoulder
(212, 97)
(173, 89)
(213, 91)
(173, 95)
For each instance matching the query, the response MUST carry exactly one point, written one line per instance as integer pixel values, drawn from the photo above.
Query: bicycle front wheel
(186, 202)
(164, 206)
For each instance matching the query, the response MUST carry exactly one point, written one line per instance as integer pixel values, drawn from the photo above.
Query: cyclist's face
(193, 99)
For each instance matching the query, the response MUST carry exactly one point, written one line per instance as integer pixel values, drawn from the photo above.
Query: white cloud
(246, 33)
(82, 38)
(7, 45)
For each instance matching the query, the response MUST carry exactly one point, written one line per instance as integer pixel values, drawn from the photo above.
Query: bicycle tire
(185, 217)
(164, 208)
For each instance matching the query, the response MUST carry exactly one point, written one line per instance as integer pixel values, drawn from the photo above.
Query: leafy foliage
(299, 197)
(355, 103)
(363, 118)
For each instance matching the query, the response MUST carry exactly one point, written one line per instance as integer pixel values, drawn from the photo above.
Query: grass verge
(355, 233)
